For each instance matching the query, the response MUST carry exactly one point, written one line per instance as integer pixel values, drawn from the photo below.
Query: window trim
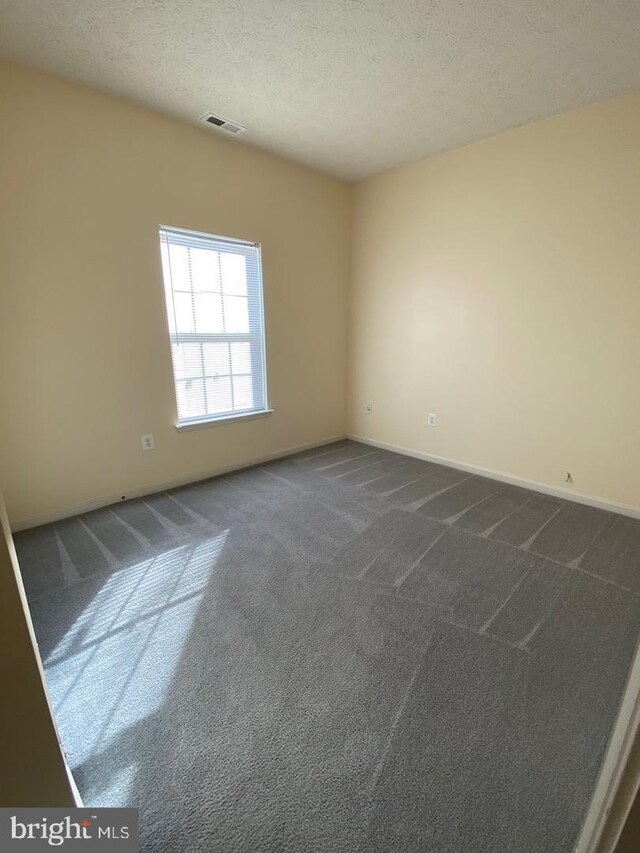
(208, 420)
(256, 339)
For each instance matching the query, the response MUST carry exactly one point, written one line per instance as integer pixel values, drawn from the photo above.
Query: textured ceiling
(350, 87)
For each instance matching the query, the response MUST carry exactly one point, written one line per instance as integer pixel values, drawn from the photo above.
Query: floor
(347, 649)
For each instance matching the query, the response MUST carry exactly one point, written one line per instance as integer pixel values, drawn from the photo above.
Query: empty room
(320, 426)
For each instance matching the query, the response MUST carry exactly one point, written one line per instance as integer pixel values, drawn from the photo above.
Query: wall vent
(223, 123)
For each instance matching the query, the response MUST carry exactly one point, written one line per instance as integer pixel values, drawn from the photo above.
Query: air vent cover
(223, 123)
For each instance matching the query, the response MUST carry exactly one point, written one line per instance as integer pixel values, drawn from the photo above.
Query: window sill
(185, 426)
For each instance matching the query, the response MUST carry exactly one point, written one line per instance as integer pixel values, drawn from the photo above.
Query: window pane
(205, 269)
(234, 273)
(219, 395)
(216, 359)
(164, 254)
(208, 309)
(236, 314)
(183, 307)
(179, 276)
(214, 306)
(240, 357)
(187, 362)
(242, 392)
(190, 394)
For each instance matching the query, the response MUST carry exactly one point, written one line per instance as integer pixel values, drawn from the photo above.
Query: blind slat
(213, 289)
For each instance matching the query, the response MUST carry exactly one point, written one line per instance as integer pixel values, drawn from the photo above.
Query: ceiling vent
(223, 123)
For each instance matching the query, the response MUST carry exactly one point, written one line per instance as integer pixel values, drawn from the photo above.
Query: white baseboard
(108, 500)
(544, 488)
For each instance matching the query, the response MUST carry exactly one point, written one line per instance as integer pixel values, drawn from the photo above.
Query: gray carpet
(346, 650)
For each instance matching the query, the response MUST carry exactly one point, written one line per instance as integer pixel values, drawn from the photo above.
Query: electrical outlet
(148, 442)
(368, 408)
(432, 419)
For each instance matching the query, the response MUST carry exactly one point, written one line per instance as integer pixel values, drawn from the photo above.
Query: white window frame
(255, 337)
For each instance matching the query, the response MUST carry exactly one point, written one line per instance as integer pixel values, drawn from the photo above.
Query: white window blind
(213, 288)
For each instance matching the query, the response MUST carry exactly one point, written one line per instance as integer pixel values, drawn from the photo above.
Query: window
(213, 287)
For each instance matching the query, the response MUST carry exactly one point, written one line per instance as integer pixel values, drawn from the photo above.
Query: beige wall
(499, 286)
(85, 364)
(32, 771)
(496, 285)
